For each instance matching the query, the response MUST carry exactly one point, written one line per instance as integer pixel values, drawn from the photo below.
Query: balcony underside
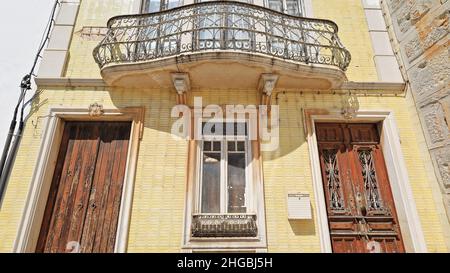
(223, 70)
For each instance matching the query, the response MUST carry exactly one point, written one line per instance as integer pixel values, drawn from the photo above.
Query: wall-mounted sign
(299, 206)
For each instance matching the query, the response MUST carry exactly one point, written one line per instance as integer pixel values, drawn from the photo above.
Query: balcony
(222, 45)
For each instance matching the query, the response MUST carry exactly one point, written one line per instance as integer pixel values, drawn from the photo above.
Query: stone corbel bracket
(182, 85)
(266, 86)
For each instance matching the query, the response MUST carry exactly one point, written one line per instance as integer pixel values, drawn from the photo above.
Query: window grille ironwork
(224, 225)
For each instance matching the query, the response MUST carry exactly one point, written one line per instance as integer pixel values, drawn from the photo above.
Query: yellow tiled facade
(159, 194)
(349, 16)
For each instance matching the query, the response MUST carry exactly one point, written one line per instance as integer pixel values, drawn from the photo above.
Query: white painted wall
(22, 24)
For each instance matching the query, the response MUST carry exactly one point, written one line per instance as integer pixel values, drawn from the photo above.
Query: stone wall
(421, 30)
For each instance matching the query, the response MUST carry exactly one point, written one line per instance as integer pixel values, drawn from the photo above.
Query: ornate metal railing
(221, 25)
(224, 225)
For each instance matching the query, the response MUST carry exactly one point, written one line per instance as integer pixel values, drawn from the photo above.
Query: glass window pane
(241, 146)
(217, 146)
(210, 32)
(236, 183)
(231, 146)
(211, 183)
(212, 128)
(236, 128)
(152, 6)
(275, 5)
(207, 146)
(241, 129)
(224, 128)
(292, 7)
(237, 34)
(229, 129)
(170, 4)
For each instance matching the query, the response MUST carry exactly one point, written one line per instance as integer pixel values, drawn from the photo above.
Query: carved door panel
(361, 211)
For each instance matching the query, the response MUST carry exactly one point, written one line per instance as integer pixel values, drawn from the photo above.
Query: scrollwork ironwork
(370, 180)
(224, 225)
(333, 179)
(220, 25)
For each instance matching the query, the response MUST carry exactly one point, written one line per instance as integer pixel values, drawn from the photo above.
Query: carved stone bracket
(266, 86)
(182, 85)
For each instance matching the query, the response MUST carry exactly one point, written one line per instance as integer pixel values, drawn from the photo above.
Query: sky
(22, 25)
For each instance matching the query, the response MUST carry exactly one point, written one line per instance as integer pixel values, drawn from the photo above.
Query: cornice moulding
(84, 82)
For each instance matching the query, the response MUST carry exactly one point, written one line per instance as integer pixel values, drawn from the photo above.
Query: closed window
(225, 190)
(289, 43)
(223, 171)
(165, 26)
(159, 5)
(291, 7)
(234, 35)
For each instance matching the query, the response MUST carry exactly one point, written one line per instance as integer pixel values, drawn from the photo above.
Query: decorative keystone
(350, 107)
(96, 110)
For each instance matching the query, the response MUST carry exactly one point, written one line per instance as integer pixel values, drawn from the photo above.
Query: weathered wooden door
(84, 199)
(360, 206)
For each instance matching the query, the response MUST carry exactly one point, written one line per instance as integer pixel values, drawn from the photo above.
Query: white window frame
(254, 201)
(250, 208)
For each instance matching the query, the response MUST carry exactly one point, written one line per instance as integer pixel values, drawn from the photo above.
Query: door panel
(104, 200)
(84, 198)
(360, 206)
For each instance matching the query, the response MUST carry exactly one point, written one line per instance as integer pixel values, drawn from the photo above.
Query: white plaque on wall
(299, 206)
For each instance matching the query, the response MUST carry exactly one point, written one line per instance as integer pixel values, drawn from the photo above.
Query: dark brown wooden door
(360, 206)
(84, 200)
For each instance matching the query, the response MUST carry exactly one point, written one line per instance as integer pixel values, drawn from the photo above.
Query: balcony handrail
(151, 36)
(218, 2)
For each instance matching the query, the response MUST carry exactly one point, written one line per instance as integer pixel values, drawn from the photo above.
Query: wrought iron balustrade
(221, 26)
(224, 225)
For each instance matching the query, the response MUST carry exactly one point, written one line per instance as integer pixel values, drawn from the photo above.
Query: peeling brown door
(360, 206)
(84, 200)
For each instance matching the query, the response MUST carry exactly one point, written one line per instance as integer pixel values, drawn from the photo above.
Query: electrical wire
(26, 80)
(45, 38)
(9, 152)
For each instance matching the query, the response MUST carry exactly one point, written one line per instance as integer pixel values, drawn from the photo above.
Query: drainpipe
(25, 85)
(9, 152)
(12, 127)
(9, 162)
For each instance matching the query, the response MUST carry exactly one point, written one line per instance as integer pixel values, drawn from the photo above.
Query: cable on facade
(11, 147)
